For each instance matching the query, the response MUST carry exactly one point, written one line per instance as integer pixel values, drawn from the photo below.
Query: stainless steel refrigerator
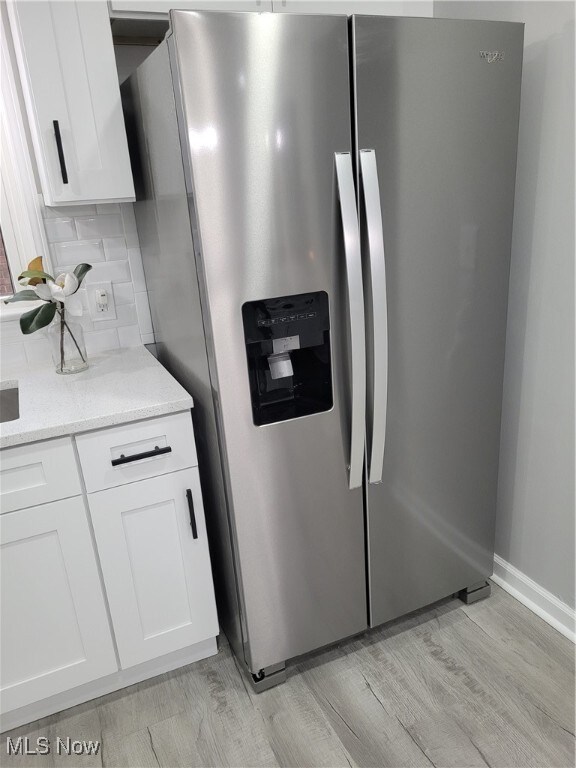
(325, 213)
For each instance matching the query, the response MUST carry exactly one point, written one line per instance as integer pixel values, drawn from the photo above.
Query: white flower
(63, 289)
(65, 285)
(43, 291)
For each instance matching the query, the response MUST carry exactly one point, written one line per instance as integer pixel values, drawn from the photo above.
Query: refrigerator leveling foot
(476, 592)
(268, 677)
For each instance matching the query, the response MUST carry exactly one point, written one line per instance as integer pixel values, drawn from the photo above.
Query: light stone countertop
(119, 386)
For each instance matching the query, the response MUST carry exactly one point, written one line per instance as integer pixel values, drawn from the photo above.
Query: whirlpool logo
(492, 56)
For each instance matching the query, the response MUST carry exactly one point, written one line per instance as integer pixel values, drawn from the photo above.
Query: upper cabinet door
(68, 72)
(348, 7)
(135, 8)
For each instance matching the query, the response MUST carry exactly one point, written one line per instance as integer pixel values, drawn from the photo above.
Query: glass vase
(67, 343)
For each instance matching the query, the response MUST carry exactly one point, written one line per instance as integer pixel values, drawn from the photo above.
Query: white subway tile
(129, 220)
(143, 311)
(103, 208)
(84, 297)
(10, 333)
(86, 322)
(125, 315)
(109, 271)
(123, 293)
(100, 341)
(148, 338)
(129, 336)
(115, 248)
(69, 210)
(137, 270)
(100, 226)
(58, 230)
(78, 252)
(10, 330)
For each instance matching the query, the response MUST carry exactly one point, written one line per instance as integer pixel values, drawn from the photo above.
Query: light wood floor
(453, 685)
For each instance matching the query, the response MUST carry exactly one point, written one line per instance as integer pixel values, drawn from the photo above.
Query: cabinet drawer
(132, 452)
(36, 473)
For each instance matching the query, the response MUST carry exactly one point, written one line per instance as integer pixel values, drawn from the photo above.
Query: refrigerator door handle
(351, 231)
(369, 176)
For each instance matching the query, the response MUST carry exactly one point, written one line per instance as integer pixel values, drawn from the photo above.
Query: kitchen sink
(9, 404)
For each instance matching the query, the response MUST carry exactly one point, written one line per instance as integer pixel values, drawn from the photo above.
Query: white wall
(535, 528)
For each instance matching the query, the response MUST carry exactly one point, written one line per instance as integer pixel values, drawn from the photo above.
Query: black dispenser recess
(288, 349)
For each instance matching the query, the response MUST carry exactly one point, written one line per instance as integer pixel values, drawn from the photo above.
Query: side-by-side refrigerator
(325, 214)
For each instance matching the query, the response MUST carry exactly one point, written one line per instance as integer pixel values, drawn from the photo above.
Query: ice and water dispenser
(288, 349)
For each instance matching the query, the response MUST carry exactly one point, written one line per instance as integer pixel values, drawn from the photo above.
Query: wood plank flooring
(457, 686)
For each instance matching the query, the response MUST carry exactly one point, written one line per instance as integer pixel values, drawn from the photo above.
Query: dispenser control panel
(268, 321)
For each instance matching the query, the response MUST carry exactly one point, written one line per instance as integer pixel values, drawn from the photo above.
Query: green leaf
(35, 273)
(23, 296)
(37, 318)
(81, 271)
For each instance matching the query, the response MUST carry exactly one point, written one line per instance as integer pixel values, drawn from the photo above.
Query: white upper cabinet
(66, 61)
(143, 8)
(348, 7)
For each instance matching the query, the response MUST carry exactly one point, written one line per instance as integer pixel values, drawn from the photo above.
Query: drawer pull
(192, 515)
(137, 456)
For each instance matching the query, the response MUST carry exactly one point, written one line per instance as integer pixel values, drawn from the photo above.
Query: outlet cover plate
(95, 313)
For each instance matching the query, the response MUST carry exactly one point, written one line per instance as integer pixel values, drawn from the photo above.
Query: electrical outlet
(100, 301)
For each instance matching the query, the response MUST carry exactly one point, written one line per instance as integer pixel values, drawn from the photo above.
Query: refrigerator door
(438, 103)
(264, 109)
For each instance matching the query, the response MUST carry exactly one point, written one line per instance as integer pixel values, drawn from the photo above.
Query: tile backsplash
(106, 237)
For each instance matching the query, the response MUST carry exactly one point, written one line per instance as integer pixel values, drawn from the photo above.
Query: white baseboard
(541, 602)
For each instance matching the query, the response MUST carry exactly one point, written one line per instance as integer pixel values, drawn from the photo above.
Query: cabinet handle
(192, 515)
(137, 456)
(60, 149)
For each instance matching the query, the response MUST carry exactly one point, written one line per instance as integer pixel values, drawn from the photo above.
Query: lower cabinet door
(55, 632)
(151, 538)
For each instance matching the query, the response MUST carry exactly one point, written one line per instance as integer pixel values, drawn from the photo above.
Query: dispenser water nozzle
(280, 365)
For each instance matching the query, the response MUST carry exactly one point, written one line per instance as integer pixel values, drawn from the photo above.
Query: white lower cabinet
(138, 541)
(54, 630)
(151, 539)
